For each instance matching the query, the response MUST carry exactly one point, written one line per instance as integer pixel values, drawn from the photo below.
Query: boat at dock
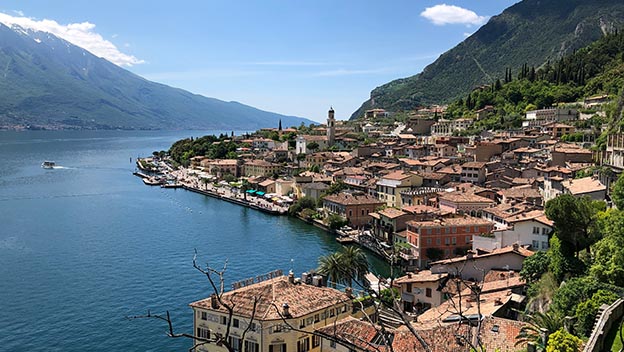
(48, 164)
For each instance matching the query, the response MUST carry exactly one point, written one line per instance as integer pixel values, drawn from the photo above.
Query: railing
(608, 318)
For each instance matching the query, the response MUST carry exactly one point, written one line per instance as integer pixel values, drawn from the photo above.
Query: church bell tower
(331, 127)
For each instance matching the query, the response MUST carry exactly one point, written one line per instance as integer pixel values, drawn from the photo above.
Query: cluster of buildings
(460, 214)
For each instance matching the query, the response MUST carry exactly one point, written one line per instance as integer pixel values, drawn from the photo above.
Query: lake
(86, 244)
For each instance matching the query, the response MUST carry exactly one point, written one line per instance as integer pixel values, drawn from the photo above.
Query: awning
(260, 193)
(251, 191)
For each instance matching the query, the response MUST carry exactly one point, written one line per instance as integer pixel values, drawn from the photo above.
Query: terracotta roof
(421, 276)
(584, 185)
(398, 175)
(500, 251)
(474, 164)
(345, 198)
(524, 191)
(462, 221)
(302, 299)
(461, 197)
(537, 215)
(392, 213)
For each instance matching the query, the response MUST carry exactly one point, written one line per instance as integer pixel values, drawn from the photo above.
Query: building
(473, 172)
(303, 140)
(222, 167)
(254, 168)
(354, 206)
(446, 238)
(464, 202)
(420, 291)
(474, 266)
(543, 116)
(281, 303)
(331, 127)
(390, 186)
(526, 228)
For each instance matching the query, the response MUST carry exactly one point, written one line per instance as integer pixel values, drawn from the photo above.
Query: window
(303, 345)
(467, 228)
(454, 240)
(277, 328)
(409, 287)
(253, 327)
(309, 321)
(278, 347)
(544, 245)
(447, 241)
(203, 333)
(302, 323)
(350, 213)
(235, 343)
(236, 323)
(332, 344)
(536, 229)
(223, 320)
(344, 308)
(331, 312)
(429, 241)
(316, 318)
(251, 346)
(428, 292)
(535, 244)
(362, 211)
(316, 341)
(544, 231)
(454, 229)
(438, 241)
(204, 316)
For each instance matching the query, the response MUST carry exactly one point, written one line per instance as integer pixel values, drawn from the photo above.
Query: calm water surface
(87, 244)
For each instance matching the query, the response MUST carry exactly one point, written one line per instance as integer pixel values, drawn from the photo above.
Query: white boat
(48, 164)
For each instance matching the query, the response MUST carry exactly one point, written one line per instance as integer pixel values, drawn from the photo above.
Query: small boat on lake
(48, 164)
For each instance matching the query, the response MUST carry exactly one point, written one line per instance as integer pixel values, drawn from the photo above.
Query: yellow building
(390, 186)
(287, 312)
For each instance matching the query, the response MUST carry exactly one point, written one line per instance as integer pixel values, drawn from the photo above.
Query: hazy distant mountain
(47, 81)
(531, 31)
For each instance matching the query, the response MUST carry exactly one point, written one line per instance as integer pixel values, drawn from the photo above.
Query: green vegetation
(527, 34)
(345, 266)
(301, 204)
(210, 146)
(563, 341)
(596, 69)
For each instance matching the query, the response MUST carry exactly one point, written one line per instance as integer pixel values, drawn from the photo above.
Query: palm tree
(244, 187)
(354, 263)
(331, 266)
(537, 322)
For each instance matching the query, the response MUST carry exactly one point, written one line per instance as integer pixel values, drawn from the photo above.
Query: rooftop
(302, 299)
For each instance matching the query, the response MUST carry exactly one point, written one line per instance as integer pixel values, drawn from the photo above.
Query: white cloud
(450, 14)
(80, 34)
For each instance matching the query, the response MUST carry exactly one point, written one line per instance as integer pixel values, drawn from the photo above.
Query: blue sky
(291, 57)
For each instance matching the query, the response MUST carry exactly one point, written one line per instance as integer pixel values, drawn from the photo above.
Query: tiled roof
(398, 175)
(392, 213)
(302, 299)
(499, 251)
(352, 199)
(460, 197)
(462, 221)
(584, 185)
(421, 276)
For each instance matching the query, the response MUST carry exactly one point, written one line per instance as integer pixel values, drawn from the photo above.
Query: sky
(292, 57)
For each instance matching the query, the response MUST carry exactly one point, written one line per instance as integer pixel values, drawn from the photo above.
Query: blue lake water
(87, 244)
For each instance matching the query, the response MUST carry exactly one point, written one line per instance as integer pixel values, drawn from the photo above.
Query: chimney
(291, 277)
(409, 275)
(498, 302)
(349, 292)
(214, 302)
(516, 246)
(469, 254)
(285, 310)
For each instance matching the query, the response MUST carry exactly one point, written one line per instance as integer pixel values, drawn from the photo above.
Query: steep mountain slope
(532, 31)
(47, 81)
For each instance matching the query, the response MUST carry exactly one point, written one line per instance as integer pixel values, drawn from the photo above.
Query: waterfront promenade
(192, 182)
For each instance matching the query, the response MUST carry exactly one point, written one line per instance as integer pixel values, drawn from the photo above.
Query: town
(456, 214)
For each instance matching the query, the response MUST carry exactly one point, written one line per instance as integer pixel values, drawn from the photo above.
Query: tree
(617, 195)
(563, 341)
(335, 221)
(608, 253)
(575, 220)
(538, 323)
(355, 263)
(312, 146)
(331, 267)
(586, 311)
(535, 266)
(336, 187)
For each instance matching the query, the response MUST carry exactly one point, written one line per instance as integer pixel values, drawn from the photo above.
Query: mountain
(48, 82)
(531, 32)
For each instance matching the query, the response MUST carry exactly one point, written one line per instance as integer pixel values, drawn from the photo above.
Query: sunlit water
(86, 244)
